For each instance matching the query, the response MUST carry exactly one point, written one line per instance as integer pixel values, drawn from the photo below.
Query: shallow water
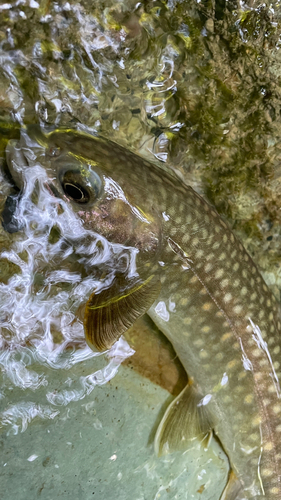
(194, 85)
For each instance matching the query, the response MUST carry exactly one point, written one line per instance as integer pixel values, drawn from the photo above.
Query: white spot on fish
(219, 273)
(277, 409)
(227, 296)
(219, 356)
(183, 301)
(237, 309)
(161, 311)
(165, 216)
(199, 254)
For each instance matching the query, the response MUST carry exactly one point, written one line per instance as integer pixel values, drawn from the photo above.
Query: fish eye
(80, 185)
(75, 192)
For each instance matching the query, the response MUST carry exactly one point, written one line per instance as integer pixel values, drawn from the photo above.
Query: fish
(196, 281)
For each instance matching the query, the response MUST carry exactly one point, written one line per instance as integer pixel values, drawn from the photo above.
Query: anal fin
(187, 417)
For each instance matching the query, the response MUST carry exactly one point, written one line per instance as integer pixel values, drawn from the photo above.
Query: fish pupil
(75, 192)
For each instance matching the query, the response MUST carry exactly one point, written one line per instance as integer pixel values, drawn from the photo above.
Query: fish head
(101, 182)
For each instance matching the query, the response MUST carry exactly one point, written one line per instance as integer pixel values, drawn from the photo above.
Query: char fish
(197, 283)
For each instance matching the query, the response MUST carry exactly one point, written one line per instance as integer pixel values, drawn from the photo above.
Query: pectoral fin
(111, 312)
(187, 417)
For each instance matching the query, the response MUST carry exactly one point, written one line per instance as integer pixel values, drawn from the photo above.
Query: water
(194, 85)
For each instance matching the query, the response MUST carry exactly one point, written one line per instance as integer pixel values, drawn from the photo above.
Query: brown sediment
(155, 357)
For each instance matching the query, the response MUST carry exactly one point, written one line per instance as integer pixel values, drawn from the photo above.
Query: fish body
(198, 284)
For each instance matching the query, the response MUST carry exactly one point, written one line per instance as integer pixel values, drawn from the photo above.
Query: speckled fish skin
(214, 306)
